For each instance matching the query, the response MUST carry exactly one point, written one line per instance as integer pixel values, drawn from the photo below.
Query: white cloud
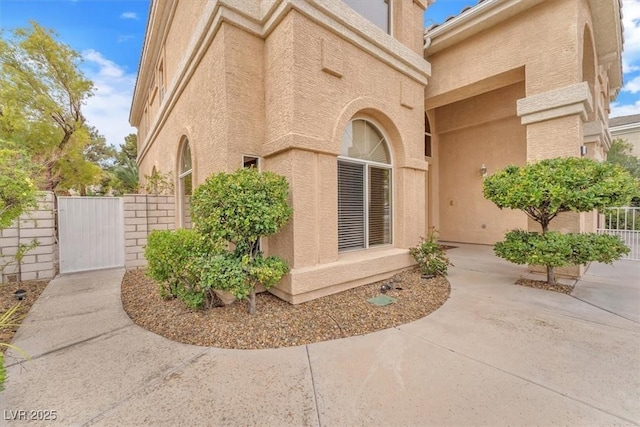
(633, 85)
(618, 109)
(129, 15)
(631, 22)
(108, 108)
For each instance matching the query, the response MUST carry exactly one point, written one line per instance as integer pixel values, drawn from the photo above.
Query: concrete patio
(494, 354)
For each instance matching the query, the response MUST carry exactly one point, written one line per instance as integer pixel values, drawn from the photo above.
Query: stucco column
(555, 128)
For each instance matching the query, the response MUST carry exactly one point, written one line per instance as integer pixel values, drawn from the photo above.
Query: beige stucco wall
(631, 136)
(480, 130)
(546, 52)
(287, 97)
(549, 50)
(307, 111)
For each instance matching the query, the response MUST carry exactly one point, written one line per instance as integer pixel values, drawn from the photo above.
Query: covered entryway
(90, 233)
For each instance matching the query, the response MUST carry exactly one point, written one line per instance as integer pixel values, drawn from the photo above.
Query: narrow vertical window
(161, 80)
(364, 188)
(185, 182)
(427, 136)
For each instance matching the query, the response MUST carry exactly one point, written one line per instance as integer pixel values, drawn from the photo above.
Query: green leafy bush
(558, 250)
(240, 208)
(174, 262)
(430, 256)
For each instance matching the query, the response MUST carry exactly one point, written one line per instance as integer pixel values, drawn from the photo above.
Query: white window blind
(351, 206)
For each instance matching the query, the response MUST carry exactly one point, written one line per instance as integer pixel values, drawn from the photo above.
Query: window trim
(368, 164)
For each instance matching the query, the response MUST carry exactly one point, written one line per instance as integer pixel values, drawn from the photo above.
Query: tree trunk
(551, 276)
(252, 301)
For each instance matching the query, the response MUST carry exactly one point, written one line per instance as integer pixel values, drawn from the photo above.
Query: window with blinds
(364, 188)
(351, 204)
(379, 206)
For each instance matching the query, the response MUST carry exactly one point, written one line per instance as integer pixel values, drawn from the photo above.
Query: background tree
(17, 194)
(129, 150)
(41, 96)
(98, 152)
(620, 154)
(125, 169)
(548, 188)
(17, 190)
(240, 208)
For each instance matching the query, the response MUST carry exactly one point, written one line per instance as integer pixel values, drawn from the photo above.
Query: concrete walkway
(494, 354)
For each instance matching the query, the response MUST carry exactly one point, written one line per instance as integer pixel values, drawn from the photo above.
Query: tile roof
(453, 16)
(624, 120)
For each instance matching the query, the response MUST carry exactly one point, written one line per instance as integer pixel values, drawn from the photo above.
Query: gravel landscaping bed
(7, 300)
(540, 284)
(278, 323)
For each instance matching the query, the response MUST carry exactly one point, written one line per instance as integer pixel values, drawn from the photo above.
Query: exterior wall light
(583, 150)
(483, 170)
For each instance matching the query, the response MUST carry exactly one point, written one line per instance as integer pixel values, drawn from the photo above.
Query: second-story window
(376, 11)
(161, 80)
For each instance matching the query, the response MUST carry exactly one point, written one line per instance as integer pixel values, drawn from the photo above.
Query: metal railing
(623, 222)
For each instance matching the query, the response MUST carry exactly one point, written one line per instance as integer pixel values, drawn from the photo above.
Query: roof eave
(472, 21)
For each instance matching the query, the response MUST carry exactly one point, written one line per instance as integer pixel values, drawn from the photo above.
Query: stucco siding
(481, 130)
(549, 51)
(198, 114)
(187, 14)
(244, 91)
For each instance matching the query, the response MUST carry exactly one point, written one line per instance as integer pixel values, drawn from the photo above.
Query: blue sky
(109, 35)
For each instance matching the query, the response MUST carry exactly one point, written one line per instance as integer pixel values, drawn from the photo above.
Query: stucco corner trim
(568, 101)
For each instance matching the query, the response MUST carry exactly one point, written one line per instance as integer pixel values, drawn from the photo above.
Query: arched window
(427, 136)
(185, 184)
(364, 188)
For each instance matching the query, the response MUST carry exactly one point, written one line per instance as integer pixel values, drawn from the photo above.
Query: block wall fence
(143, 214)
(38, 225)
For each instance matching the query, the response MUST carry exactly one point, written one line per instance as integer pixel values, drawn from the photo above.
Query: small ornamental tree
(240, 208)
(545, 189)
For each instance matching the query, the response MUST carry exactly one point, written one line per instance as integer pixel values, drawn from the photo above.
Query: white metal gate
(90, 233)
(623, 222)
